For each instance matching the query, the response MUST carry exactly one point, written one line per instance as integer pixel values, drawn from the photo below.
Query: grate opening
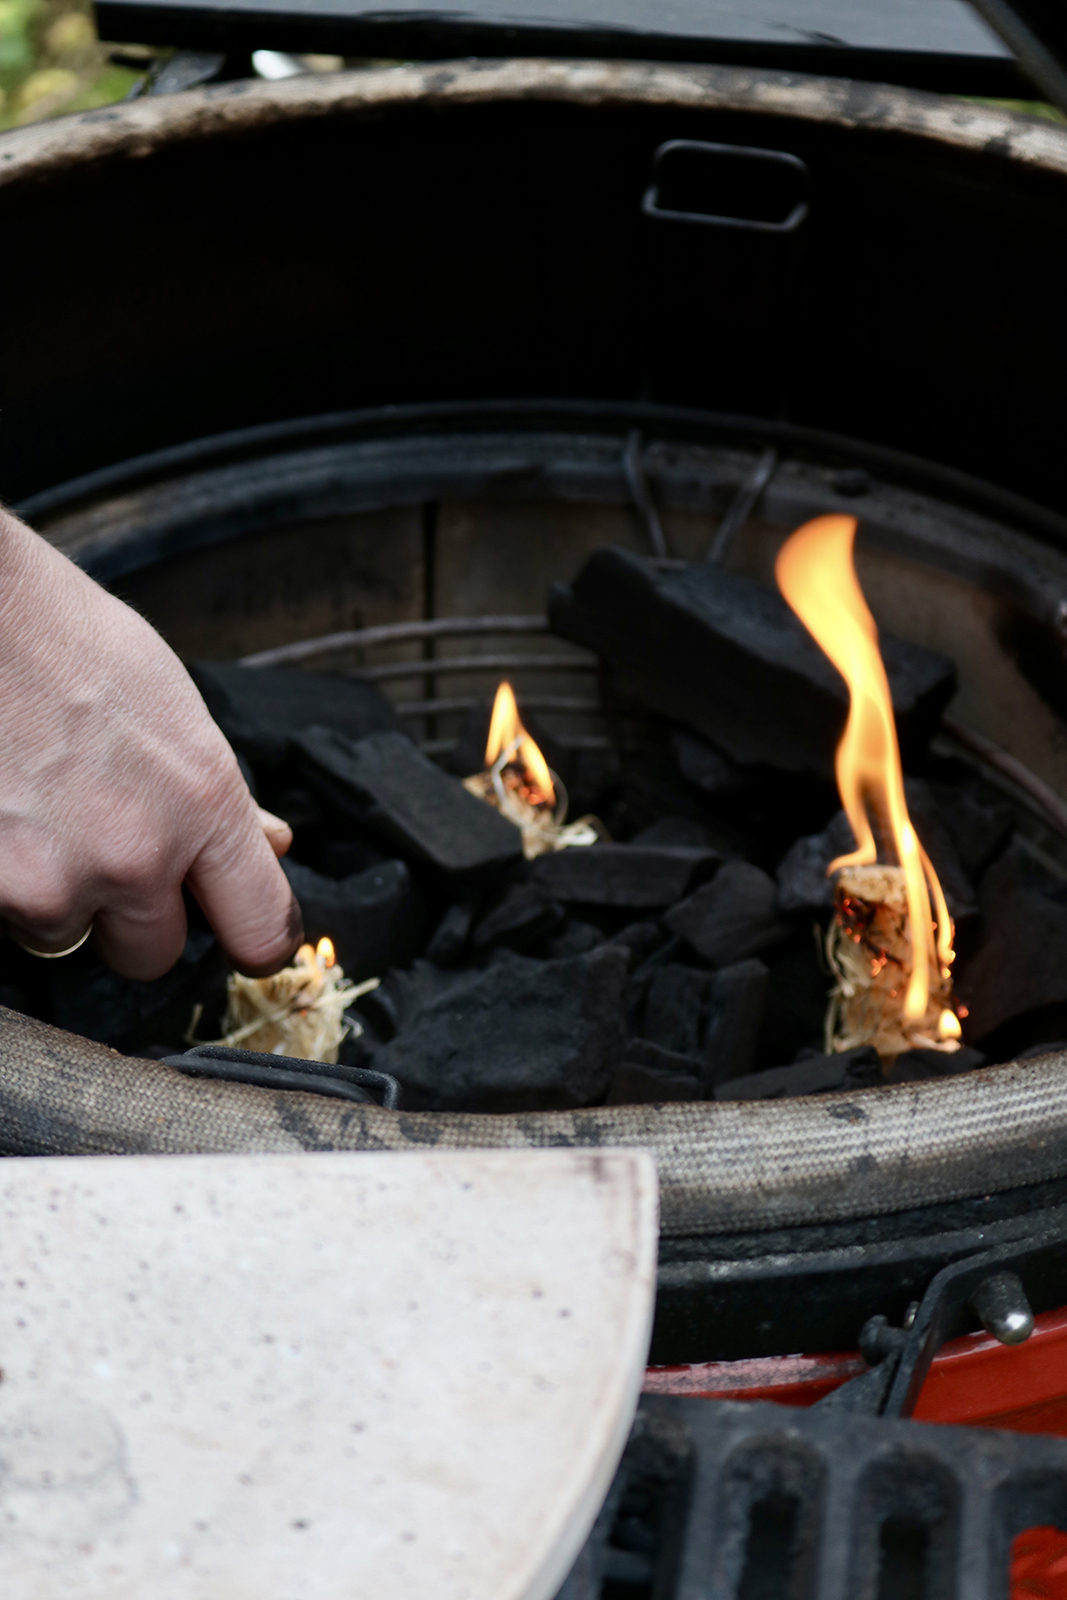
(771, 1569)
(902, 1566)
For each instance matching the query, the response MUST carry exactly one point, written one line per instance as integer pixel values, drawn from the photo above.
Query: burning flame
(816, 574)
(324, 952)
(508, 738)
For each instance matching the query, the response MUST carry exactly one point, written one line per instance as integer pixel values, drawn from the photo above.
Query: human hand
(116, 787)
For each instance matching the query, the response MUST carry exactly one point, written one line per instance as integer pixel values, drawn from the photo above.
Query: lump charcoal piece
(714, 774)
(726, 656)
(650, 788)
(814, 1073)
(260, 709)
(450, 937)
(916, 1066)
(520, 1035)
(1019, 966)
(640, 940)
(343, 858)
(523, 918)
(737, 1008)
(634, 1084)
(936, 837)
(733, 916)
(979, 820)
(798, 990)
(576, 939)
(802, 881)
(676, 1008)
(88, 998)
(804, 886)
(643, 1053)
(376, 918)
(675, 833)
(385, 784)
(622, 874)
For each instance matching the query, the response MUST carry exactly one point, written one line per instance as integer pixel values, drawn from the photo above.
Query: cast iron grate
(719, 1500)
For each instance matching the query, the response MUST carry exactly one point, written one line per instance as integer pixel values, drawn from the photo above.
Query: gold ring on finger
(52, 955)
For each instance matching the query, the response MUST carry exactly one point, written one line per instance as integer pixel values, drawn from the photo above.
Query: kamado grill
(287, 416)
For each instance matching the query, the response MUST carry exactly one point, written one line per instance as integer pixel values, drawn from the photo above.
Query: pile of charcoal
(678, 959)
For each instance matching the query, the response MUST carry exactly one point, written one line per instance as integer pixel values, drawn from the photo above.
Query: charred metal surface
(905, 177)
(135, 130)
(726, 1501)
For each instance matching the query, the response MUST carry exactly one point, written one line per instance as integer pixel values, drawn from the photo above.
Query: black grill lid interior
(935, 44)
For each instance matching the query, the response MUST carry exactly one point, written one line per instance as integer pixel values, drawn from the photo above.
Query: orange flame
(506, 733)
(324, 952)
(816, 574)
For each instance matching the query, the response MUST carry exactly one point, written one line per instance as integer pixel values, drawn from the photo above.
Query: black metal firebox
(281, 406)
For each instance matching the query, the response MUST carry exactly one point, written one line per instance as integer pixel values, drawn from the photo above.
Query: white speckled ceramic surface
(315, 1377)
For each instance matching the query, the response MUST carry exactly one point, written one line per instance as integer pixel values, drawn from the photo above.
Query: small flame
(305, 956)
(816, 574)
(507, 734)
(948, 1026)
(324, 953)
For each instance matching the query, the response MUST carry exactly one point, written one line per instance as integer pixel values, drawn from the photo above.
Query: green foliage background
(51, 61)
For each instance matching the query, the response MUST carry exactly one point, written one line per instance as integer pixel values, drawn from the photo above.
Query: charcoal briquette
(676, 1006)
(624, 875)
(802, 881)
(1018, 965)
(634, 1084)
(804, 886)
(916, 1066)
(675, 833)
(577, 938)
(640, 940)
(737, 1007)
(376, 918)
(813, 1073)
(449, 942)
(522, 919)
(385, 784)
(713, 773)
(644, 1053)
(798, 987)
(260, 709)
(979, 820)
(732, 917)
(937, 839)
(90, 999)
(724, 655)
(519, 1035)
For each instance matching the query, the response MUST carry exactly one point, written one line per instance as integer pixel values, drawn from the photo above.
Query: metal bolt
(1001, 1306)
(878, 1340)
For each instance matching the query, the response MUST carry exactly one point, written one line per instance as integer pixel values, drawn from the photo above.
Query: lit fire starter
(519, 783)
(889, 943)
(298, 1011)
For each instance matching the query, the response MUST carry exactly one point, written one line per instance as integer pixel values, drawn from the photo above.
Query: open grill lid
(942, 45)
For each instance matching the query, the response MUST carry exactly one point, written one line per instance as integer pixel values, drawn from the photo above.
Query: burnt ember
(680, 957)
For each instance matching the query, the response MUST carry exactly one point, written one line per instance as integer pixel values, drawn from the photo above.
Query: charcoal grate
(720, 1500)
